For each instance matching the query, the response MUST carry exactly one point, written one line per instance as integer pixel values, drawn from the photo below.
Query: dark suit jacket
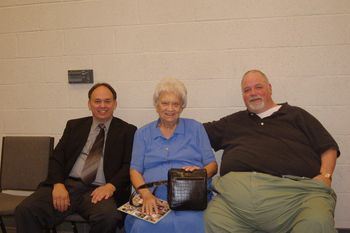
(117, 154)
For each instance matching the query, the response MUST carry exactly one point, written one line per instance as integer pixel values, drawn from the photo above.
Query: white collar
(269, 112)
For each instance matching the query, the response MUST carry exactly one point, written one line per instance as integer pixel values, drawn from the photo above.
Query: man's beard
(255, 107)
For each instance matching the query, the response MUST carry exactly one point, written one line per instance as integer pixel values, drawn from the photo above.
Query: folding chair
(24, 164)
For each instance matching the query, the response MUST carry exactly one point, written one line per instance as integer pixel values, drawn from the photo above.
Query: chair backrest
(24, 161)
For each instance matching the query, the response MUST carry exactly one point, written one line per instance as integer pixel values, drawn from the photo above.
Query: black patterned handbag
(186, 190)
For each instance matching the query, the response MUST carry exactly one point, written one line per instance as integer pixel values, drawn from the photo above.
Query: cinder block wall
(304, 46)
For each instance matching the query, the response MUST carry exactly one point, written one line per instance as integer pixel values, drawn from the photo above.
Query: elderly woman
(169, 142)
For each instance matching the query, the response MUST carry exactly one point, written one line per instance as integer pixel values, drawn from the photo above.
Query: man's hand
(325, 180)
(102, 192)
(60, 197)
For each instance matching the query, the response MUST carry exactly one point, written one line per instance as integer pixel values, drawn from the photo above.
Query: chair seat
(24, 164)
(9, 203)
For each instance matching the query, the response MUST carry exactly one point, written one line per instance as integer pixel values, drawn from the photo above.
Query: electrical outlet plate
(80, 76)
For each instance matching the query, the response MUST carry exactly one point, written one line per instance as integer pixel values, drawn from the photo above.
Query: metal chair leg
(53, 230)
(74, 227)
(2, 225)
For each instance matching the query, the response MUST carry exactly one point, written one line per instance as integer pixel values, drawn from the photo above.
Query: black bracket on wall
(80, 76)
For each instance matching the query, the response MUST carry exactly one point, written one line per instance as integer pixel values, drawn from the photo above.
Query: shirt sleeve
(321, 140)
(204, 144)
(138, 152)
(214, 131)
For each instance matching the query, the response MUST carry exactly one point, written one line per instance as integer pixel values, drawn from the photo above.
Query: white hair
(170, 85)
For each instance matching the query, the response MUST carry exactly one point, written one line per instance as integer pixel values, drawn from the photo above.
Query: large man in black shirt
(276, 169)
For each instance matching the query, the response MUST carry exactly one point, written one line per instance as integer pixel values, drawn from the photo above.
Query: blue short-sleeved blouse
(153, 155)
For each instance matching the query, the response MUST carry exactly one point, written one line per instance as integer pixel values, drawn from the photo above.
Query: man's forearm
(328, 162)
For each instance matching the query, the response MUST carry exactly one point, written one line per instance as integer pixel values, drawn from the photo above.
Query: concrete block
(341, 181)
(294, 61)
(317, 91)
(74, 113)
(135, 95)
(133, 115)
(155, 66)
(209, 114)
(86, 14)
(22, 71)
(55, 70)
(230, 9)
(88, 41)
(343, 206)
(74, 62)
(8, 46)
(323, 29)
(36, 96)
(10, 94)
(7, 67)
(38, 44)
(344, 145)
(215, 93)
(275, 32)
(166, 11)
(19, 19)
(7, 3)
(25, 122)
(78, 96)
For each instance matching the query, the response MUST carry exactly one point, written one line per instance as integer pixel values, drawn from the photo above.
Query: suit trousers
(37, 213)
(250, 202)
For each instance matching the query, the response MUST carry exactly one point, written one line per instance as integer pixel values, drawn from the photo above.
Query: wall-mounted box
(80, 76)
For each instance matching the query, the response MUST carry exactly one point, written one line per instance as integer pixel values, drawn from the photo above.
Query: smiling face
(257, 92)
(102, 104)
(169, 108)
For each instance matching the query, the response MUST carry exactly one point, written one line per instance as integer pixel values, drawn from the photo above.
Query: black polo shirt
(289, 142)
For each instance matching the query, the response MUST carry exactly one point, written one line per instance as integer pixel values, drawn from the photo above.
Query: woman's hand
(190, 168)
(150, 203)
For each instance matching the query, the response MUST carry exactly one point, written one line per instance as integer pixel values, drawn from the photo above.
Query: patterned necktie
(92, 161)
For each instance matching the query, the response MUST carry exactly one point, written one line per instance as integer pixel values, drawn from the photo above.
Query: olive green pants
(256, 202)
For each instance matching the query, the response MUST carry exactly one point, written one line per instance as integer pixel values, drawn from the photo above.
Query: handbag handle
(154, 184)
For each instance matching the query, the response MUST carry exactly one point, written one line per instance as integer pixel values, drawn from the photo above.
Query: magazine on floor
(163, 210)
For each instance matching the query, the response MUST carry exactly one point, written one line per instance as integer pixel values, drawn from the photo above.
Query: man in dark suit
(92, 189)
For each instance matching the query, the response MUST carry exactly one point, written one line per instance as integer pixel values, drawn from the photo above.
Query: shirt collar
(155, 131)
(282, 110)
(269, 112)
(95, 123)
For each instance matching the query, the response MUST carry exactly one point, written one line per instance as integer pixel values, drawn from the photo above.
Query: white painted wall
(304, 46)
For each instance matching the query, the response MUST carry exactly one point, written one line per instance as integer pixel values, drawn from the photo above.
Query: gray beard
(257, 107)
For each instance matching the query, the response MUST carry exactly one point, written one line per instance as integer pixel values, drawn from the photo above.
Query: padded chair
(24, 164)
